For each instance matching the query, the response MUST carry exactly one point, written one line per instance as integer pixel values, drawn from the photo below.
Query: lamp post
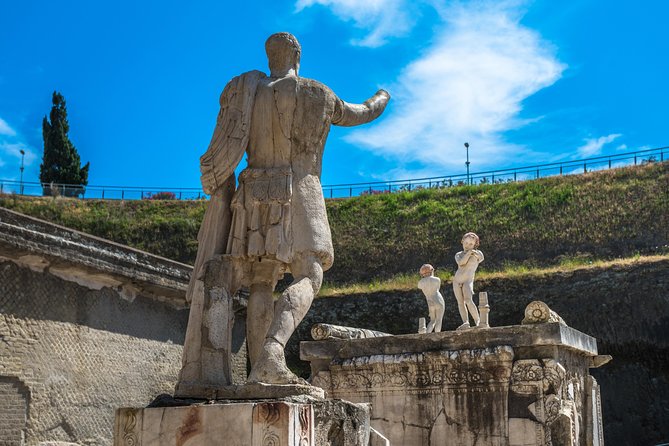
(467, 163)
(23, 154)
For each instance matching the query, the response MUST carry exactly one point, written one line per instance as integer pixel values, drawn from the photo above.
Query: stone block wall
(69, 356)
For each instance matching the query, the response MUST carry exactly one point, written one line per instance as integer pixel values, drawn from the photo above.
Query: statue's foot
(271, 368)
(464, 326)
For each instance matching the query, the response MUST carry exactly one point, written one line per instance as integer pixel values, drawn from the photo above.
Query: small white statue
(429, 284)
(463, 283)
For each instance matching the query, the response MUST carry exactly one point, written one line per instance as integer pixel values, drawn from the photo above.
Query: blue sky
(523, 82)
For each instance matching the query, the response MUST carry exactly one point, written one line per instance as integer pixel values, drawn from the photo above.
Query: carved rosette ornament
(537, 312)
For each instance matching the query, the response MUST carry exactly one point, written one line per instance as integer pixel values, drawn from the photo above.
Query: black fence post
(635, 159)
(103, 194)
(122, 194)
(515, 175)
(609, 162)
(537, 173)
(350, 192)
(661, 155)
(585, 168)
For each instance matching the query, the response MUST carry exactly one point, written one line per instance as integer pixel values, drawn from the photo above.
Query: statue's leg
(468, 289)
(289, 310)
(439, 317)
(433, 319)
(260, 313)
(457, 289)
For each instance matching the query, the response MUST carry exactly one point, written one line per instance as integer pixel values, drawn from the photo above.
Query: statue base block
(249, 391)
(299, 421)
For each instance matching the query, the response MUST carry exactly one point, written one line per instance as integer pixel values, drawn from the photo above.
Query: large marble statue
(429, 284)
(275, 221)
(463, 282)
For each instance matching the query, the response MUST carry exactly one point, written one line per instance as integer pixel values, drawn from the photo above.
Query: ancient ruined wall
(69, 356)
(626, 308)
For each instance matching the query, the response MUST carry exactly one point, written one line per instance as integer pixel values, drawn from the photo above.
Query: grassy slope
(166, 228)
(603, 215)
(600, 215)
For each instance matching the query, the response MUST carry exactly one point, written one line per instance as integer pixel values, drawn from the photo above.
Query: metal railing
(353, 189)
(500, 175)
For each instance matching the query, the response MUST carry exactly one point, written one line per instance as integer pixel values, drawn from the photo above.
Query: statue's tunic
(278, 209)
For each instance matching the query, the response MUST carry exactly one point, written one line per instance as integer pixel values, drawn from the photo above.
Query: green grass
(533, 224)
(406, 282)
(167, 228)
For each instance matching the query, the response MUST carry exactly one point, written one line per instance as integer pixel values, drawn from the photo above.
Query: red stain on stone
(191, 426)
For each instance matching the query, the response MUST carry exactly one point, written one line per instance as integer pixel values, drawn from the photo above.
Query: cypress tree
(61, 163)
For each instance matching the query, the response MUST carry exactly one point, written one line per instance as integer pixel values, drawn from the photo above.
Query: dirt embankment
(626, 307)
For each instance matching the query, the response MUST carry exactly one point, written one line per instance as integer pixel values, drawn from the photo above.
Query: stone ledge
(90, 260)
(520, 336)
(248, 391)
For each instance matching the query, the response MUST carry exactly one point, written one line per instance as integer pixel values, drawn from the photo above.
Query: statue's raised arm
(348, 115)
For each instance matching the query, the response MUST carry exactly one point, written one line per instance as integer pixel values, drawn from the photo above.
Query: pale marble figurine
(429, 284)
(463, 282)
(275, 222)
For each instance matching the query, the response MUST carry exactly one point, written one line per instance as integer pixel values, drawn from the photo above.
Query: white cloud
(469, 86)
(11, 145)
(594, 146)
(381, 18)
(5, 129)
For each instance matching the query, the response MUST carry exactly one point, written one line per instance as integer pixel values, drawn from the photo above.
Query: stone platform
(517, 385)
(296, 421)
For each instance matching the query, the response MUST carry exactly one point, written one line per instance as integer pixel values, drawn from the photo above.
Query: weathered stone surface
(320, 332)
(526, 339)
(300, 421)
(247, 391)
(517, 385)
(69, 355)
(91, 261)
(341, 423)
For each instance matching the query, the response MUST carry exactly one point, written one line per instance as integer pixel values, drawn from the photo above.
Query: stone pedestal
(299, 421)
(517, 385)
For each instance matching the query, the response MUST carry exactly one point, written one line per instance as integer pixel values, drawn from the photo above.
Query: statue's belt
(266, 185)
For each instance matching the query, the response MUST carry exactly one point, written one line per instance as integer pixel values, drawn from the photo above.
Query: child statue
(463, 283)
(429, 284)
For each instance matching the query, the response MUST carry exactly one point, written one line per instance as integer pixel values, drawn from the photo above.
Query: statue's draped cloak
(226, 149)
